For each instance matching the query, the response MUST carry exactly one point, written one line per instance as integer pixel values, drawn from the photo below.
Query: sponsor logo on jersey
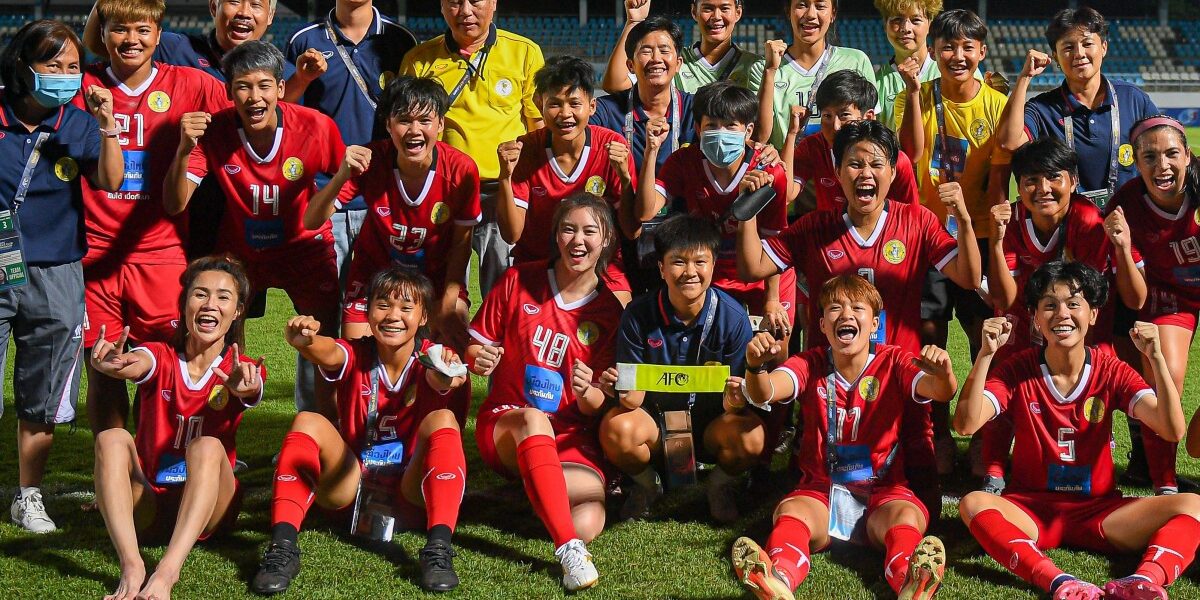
(327, 53)
(835, 254)
(285, 477)
(66, 169)
(445, 476)
(894, 252)
(158, 101)
(218, 397)
(383, 211)
(202, 62)
(504, 87)
(781, 85)
(1, 135)
(654, 342)
(980, 130)
(385, 78)
(167, 395)
(1125, 155)
(364, 390)
(293, 169)
(531, 309)
(538, 190)
(440, 213)
(233, 169)
(822, 393)
(587, 333)
(827, 182)
(868, 388)
(1093, 410)
(595, 185)
(1035, 408)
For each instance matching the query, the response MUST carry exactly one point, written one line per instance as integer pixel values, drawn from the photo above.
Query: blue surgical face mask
(722, 146)
(55, 90)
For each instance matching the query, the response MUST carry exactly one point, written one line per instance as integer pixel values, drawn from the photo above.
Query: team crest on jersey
(66, 169)
(293, 169)
(158, 101)
(980, 129)
(587, 333)
(410, 395)
(440, 213)
(504, 87)
(218, 397)
(595, 185)
(894, 252)
(1196, 216)
(1093, 410)
(868, 388)
(385, 78)
(1125, 155)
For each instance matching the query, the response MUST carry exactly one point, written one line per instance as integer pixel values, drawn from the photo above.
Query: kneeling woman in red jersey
(178, 471)
(852, 395)
(546, 331)
(1061, 399)
(392, 411)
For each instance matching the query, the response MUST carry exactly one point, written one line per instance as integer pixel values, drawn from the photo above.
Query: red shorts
(754, 295)
(879, 496)
(144, 296)
(1165, 307)
(1068, 519)
(166, 512)
(577, 445)
(310, 279)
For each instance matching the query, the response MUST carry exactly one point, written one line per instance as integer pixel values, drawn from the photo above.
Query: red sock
(296, 475)
(788, 548)
(1171, 550)
(899, 543)
(537, 457)
(445, 478)
(997, 445)
(1010, 547)
(1160, 459)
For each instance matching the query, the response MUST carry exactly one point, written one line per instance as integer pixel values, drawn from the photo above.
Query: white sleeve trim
(193, 178)
(941, 264)
(795, 384)
(338, 205)
(345, 363)
(995, 403)
(1136, 398)
(915, 396)
(153, 365)
(469, 222)
(779, 264)
(521, 203)
(479, 337)
(763, 232)
(662, 190)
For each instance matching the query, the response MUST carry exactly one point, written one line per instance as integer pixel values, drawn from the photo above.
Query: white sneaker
(578, 571)
(29, 512)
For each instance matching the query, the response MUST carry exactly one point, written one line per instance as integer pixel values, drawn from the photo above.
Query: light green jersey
(795, 84)
(891, 84)
(737, 66)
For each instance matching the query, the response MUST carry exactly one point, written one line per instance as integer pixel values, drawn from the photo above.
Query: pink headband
(1153, 122)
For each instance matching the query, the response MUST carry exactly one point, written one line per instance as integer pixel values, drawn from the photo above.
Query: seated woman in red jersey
(1052, 222)
(547, 331)
(1158, 215)
(1061, 399)
(176, 476)
(392, 388)
(851, 394)
(540, 169)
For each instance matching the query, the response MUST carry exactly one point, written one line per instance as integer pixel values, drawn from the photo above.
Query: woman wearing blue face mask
(46, 145)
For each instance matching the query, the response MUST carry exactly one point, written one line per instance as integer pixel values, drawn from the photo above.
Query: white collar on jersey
(733, 183)
(579, 166)
(186, 376)
(404, 192)
(274, 147)
(125, 89)
(1031, 231)
(400, 381)
(558, 299)
(1080, 386)
(1183, 208)
(875, 233)
(841, 380)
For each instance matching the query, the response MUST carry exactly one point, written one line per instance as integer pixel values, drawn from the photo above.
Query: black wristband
(761, 369)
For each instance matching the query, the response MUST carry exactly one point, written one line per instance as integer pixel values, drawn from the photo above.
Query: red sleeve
(523, 172)
(790, 242)
(198, 161)
(347, 367)
(939, 245)
(1093, 247)
(213, 96)
(800, 368)
(488, 325)
(773, 218)
(803, 162)
(467, 211)
(904, 187)
(351, 189)
(1012, 240)
(908, 374)
(1001, 381)
(334, 144)
(669, 178)
(1128, 386)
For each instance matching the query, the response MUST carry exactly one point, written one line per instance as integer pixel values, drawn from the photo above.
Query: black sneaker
(280, 564)
(437, 570)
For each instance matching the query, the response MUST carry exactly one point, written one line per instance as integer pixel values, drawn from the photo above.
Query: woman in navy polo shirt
(46, 145)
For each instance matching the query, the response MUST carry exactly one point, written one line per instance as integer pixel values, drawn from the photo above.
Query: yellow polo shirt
(494, 107)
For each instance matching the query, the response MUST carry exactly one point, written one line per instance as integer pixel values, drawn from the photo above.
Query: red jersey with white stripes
(906, 242)
(1063, 440)
(266, 194)
(131, 222)
(812, 165)
(176, 410)
(542, 336)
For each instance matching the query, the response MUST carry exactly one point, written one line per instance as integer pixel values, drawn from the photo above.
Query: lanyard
(350, 66)
(474, 68)
(809, 100)
(27, 173)
(943, 140)
(676, 115)
(711, 315)
(733, 60)
(1115, 115)
(831, 429)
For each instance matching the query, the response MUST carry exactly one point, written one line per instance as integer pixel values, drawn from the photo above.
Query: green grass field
(503, 551)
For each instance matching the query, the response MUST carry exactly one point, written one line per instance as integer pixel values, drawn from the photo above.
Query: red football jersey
(688, 175)
(813, 167)
(539, 184)
(1169, 244)
(542, 335)
(131, 222)
(176, 410)
(411, 229)
(1085, 242)
(1063, 442)
(401, 405)
(266, 195)
(907, 240)
(868, 412)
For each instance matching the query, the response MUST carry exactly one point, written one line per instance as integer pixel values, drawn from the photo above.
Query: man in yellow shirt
(488, 74)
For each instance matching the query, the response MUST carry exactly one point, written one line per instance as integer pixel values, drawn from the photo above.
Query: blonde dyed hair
(131, 11)
(891, 8)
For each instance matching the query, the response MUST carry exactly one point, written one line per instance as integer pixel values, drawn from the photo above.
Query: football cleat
(757, 573)
(925, 570)
(437, 570)
(578, 570)
(1134, 588)
(280, 564)
(1076, 589)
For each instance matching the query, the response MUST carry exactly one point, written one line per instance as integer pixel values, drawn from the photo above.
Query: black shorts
(942, 299)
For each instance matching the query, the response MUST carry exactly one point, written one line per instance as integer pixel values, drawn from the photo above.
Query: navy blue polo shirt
(611, 111)
(51, 217)
(199, 52)
(651, 334)
(1044, 115)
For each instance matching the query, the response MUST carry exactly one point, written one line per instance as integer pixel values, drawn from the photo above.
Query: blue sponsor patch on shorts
(543, 388)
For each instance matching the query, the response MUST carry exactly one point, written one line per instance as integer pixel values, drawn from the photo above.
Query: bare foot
(158, 587)
(132, 577)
